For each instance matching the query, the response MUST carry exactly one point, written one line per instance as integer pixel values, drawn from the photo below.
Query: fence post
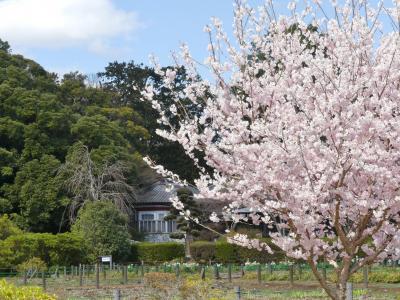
(142, 269)
(237, 291)
(44, 280)
(203, 273)
(80, 275)
(230, 273)
(365, 275)
(300, 271)
(216, 271)
(25, 278)
(259, 273)
(291, 274)
(349, 291)
(97, 276)
(117, 295)
(126, 274)
(123, 274)
(241, 270)
(177, 271)
(270, 268)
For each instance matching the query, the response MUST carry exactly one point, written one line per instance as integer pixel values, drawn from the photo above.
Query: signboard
(106, 259)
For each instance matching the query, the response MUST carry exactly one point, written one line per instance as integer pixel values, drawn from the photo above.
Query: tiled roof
(160, 192)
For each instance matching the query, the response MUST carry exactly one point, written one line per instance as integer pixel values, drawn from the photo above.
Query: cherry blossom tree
(300, 123)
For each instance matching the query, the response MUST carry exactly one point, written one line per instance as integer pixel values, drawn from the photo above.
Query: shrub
(203, 252)
(34, 264)
(224, 252)
(193, 288)
(161, 284)
(157, 252)
(67, 249)
(11, 292)
(104, 230)
(378, 276)
(245, 254)
(60, 249)
(155, 279)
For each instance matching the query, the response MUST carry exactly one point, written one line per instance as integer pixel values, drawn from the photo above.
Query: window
(153, 222)
(147, 216)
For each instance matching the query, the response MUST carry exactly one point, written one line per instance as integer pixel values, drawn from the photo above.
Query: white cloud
(65, 23)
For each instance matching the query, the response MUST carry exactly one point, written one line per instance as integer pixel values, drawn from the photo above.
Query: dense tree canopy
(41, 119)
(129, 80)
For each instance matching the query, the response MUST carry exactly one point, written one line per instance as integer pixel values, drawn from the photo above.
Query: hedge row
(60, 249)
(157, 252)
(223, 252)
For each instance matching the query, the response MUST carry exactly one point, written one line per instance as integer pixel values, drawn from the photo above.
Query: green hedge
(60, 249)
(224, 252)
(202, 251)
(157, 252)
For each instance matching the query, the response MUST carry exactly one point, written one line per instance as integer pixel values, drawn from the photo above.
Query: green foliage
(8, 228)
(104, 230)
(157, 252)
(202, 251)
(384, 275)
(193, 288)
(9, 291)
(32, 264)
(189, 227)
(127, 79)
(36, 189)
(245, 254)
(60, 249)
(4, 46)
(224, 252)
(41, 118)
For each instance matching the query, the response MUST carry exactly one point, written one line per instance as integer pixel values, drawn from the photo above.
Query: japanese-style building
(153, 204)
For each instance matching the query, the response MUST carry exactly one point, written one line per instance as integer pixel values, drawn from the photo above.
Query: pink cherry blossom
(301, 127)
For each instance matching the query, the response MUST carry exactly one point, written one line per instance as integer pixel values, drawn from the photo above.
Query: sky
(85, 35)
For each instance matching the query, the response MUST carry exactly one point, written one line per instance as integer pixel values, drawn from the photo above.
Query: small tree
(104, 230)
(185, 226)
(305, 133)
(87, 180)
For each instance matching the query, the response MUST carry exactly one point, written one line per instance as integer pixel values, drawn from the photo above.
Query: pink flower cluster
(301, 125)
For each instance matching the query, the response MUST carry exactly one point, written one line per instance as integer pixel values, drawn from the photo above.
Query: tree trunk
(188, 240)
(341, 293)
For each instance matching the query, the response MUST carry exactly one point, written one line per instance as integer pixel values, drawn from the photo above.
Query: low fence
(115, 279)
